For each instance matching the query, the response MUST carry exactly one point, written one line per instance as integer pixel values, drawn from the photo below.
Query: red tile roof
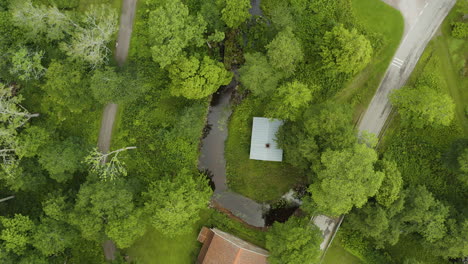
(222, 248)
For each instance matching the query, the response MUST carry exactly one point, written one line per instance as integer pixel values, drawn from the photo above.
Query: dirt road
(422, 19)
(110, 111)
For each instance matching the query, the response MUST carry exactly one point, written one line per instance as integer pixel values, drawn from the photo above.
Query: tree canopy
(423, 106)
(289, 100)
(195, 79)
(173, 203)
(345, 51)
(285, 51)
(258, 75)
(235, 12)
(172, 29)
(296, 241)
(347, 179)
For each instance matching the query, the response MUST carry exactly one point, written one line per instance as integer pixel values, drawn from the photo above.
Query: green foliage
(295, 241)
(103, 207)
(289, 100)
(258, 75)
(235, 12)
(26, 65)
(459, 30)
(195, 79)
(31, 140)
(392, 183)
(106, 85)
(16, 233)
(52, 237)
(173, 203)
(326, 126)
(62, 158)
(347, 179)
(41, 22)
(423, 106)
(89, 42)
(285, 51)
(66, 88)
(171, 30)
(345, 51)
(425, 215)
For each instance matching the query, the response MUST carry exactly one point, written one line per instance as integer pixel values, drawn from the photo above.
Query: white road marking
(397, 62)
(425, 5)
(420, 13)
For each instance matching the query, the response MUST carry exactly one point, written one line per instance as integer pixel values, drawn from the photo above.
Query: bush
(459, 30)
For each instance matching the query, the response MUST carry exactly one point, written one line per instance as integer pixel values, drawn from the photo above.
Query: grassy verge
(259, 180)
(156, 248)
(338, 254)
(384, 26)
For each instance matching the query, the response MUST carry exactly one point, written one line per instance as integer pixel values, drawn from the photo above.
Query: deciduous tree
(173, 203)
(296, 241)
(235, 12)
(26, 65)
(16, 233)
(196, 79)
(344, 51)
(391, 184)
(90, 40)
(289, 100)
(258, 75)
(346, 180)
(423, 106)
(172, 29)
(285, 51)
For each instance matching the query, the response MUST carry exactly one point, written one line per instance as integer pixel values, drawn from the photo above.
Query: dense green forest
(313, 63)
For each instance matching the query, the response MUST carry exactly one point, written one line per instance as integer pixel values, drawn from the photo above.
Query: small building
(263, 143)
(222, 248)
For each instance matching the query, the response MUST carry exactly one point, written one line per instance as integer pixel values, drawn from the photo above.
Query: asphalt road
(422, 19)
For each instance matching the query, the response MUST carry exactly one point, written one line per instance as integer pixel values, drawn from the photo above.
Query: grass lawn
(337, 254)
(154, 248)
(259, 180)
(384, 26)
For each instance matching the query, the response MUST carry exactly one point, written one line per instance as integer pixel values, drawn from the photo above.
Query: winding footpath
(110, 110)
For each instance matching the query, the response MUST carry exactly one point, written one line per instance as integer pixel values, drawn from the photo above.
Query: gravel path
(110, 111)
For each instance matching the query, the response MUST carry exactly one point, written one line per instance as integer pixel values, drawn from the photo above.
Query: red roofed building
(222, 248)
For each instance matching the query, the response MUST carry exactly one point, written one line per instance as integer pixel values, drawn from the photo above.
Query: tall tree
(90, 39)
(423, 106)
(285, 51)
(196, 79)
(296, 241)
(258, 76)
(52, 237)
(347, 179)
(345, 51)
(26, 65)
(41, 22)
(289, 100)
(100, 207)
(172, 29)
(107, 166)
(173, 203)
(326, 126)
(391, 184)
(66, 88)
(235, 12)
(16, 233)
(63, 158)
